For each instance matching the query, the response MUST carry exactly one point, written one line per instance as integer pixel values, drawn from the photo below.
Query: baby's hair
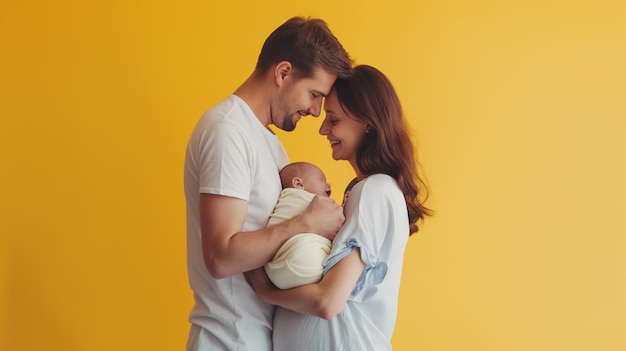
(292, 170)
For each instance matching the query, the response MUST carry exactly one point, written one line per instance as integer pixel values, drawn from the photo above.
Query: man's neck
(257, 94)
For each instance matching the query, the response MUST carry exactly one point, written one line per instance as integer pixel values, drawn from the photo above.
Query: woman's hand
(260, 282)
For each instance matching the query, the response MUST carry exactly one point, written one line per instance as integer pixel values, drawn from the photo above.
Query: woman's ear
(297, 183)
(282, 71)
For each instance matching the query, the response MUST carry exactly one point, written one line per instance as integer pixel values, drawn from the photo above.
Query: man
(232, 183)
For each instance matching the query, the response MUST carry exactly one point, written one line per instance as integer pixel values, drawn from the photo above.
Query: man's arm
(324, 299)
(228, 251)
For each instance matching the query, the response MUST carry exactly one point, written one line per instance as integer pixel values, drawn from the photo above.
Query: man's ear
(296, 182)
(282, 71)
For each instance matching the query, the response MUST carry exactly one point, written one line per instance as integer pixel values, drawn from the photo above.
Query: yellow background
(518, 109)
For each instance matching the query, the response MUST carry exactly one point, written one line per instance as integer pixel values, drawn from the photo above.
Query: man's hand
(324, 217)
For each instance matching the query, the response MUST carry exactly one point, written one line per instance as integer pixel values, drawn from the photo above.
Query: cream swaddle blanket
(299, 260)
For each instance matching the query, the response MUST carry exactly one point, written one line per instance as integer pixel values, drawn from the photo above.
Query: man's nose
(316, 109)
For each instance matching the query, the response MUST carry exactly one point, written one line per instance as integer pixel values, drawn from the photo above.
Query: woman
(354, 306)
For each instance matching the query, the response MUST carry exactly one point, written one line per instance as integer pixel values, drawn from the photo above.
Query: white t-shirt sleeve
(227, 150)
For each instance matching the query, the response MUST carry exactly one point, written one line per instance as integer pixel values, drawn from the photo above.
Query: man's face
(300, 97)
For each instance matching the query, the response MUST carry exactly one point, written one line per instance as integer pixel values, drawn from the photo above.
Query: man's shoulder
(227, 116)
(229, 108)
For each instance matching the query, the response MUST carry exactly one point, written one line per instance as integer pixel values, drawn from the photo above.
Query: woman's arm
(324, 299)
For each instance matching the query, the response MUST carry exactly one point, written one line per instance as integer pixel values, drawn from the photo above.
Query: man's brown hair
(306, 43)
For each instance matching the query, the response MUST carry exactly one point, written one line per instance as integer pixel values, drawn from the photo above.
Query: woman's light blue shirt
(377, 223)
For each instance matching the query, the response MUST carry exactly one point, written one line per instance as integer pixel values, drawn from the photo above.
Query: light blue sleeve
(368, 213)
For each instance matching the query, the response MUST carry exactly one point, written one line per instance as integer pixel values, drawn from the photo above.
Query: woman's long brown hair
(369, 96)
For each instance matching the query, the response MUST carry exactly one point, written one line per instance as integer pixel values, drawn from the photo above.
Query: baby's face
(314, 181)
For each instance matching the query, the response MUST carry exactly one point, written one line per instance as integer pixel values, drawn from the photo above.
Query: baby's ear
(296, 182)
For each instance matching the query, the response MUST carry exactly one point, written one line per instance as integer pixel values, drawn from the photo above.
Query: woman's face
(344, 132)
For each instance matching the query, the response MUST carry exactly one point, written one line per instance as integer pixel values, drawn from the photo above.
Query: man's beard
(288, 123)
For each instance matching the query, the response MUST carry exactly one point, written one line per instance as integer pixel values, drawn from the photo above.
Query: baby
(299, 260)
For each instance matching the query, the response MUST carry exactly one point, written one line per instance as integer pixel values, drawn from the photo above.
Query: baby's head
(306, 176)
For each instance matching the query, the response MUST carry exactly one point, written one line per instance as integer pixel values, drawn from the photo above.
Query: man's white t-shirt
(230, 153)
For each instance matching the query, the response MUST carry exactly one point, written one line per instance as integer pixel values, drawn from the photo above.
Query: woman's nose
(324, 128)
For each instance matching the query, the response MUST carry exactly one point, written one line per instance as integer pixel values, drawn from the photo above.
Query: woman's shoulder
(379, 180)
(379, 185)
(380, 177)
